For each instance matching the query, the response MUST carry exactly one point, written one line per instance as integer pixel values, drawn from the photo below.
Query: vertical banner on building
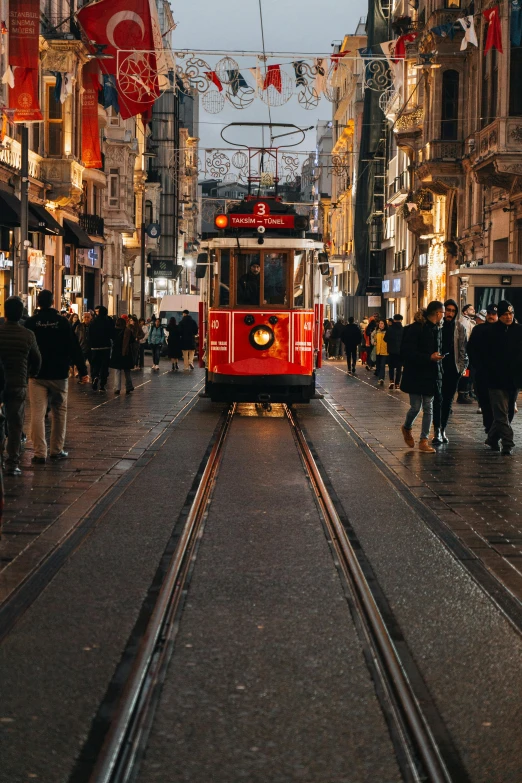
(91, 152)
(24, 32)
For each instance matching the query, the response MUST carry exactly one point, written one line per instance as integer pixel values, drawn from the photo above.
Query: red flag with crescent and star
(494, 33)
(22, 76)
(129, 32)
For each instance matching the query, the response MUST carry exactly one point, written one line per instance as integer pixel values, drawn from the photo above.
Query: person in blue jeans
(421, 353)
(156, 340)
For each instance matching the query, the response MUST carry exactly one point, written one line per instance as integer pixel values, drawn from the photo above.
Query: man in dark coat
(421, 355)
(101, 335)
(393, 339)
(59, 348)
(351, 337)
(188, 330)
(503, 369)
(455, 362)
(476, 353)
(20, 357)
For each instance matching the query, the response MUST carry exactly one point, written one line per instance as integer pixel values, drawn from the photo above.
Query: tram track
(423, 754)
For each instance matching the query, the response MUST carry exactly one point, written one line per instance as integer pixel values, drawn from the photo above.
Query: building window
(114, 118)
(515, 79)
(114, 188)
(449, 126)
(54, 123)
(489, 87)
(148, 213)
(453, 4)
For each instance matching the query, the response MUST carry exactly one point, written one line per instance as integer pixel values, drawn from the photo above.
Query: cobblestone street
(474, 491)
(106, 437)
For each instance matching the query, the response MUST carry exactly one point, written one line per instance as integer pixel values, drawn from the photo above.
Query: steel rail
(113, 764)
(419, 729)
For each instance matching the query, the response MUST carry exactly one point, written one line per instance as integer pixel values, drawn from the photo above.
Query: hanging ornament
(258, 77)
(214, 78)
(273, 78)
(280, 93)
(223, 68)
(320, 75)
(213, 102)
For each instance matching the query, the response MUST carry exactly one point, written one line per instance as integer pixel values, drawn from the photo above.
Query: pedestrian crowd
(442, 356)
(38, 354)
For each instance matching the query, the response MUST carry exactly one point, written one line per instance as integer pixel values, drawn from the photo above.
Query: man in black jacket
(476, 353)
(422, 376)
(20, 356)
(101, 334)
(502, 355)
(351, 337)
(393, 339)
(59, 348)
(188, 330)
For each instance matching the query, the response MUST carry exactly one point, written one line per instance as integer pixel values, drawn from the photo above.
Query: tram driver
(248, 285)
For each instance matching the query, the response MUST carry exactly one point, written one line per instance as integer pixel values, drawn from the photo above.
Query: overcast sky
(301, 26)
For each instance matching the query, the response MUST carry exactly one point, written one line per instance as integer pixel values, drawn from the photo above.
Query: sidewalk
(106, 435)
(474, 491)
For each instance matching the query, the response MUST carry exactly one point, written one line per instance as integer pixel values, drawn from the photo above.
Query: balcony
(66, 178)
(498, 153)
(92, 225)
(408, 128)
(439, 166)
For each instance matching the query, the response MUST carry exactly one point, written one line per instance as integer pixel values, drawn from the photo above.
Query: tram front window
(275, 278)
(248, 279)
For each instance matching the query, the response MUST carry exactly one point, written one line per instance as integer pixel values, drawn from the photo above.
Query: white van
(173, 306)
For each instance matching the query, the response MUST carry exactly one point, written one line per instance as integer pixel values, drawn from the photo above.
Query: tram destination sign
(268, 221)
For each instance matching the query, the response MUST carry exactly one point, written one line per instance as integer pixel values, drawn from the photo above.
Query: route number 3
(261, 209)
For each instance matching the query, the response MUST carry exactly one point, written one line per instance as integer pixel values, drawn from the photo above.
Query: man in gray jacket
(20, 356)
(455, 362)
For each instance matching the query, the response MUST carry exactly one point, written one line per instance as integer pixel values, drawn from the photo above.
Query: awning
(46, 222)
(10, 212)
(75, 235)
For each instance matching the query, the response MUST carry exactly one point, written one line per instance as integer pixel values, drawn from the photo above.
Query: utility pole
(23, 269)
(142, 257)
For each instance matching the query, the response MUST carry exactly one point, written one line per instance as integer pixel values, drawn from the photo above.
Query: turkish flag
(129, 31)
(91, 152)
(400, 46)
(24, 32)
(494, 34)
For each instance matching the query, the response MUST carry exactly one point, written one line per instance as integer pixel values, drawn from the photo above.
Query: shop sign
(73, 284)
(396, 284)
(89, 257)
(386, 286)
(165, 267)
(374, 301)
(5, 261)
(36, 261)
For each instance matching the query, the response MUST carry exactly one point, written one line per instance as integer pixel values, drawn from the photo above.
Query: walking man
(422, 358)
(59, 348)
(188, 330)
(393, 339)
(101, 335)
(20, 357)
(476, 353)
(454, 363)
(503, 368)
(351, 337)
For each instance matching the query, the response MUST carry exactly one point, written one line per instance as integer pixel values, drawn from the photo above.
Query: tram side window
(248, 277)
(224, 278)
(275, 278)
(299, 279)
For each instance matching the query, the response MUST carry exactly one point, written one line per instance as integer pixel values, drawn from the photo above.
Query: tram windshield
(261, 278)
(248, 276)
(275, 279)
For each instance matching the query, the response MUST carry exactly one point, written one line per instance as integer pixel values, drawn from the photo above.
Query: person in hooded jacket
(351, 337)
(454, 363)
(188, 330)
(393, 339)
(421, 354)
(122, 355)
(476, 353)
(101, 335)
(503, 371)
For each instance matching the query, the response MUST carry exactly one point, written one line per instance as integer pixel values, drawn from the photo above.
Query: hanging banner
(91, 152)
(24, 31)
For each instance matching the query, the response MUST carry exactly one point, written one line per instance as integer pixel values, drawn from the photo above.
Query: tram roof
(270, 243)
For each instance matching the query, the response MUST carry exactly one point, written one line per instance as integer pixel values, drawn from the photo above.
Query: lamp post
(23, 269)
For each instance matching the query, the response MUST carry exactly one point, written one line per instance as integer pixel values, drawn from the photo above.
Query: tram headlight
(262, 337)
